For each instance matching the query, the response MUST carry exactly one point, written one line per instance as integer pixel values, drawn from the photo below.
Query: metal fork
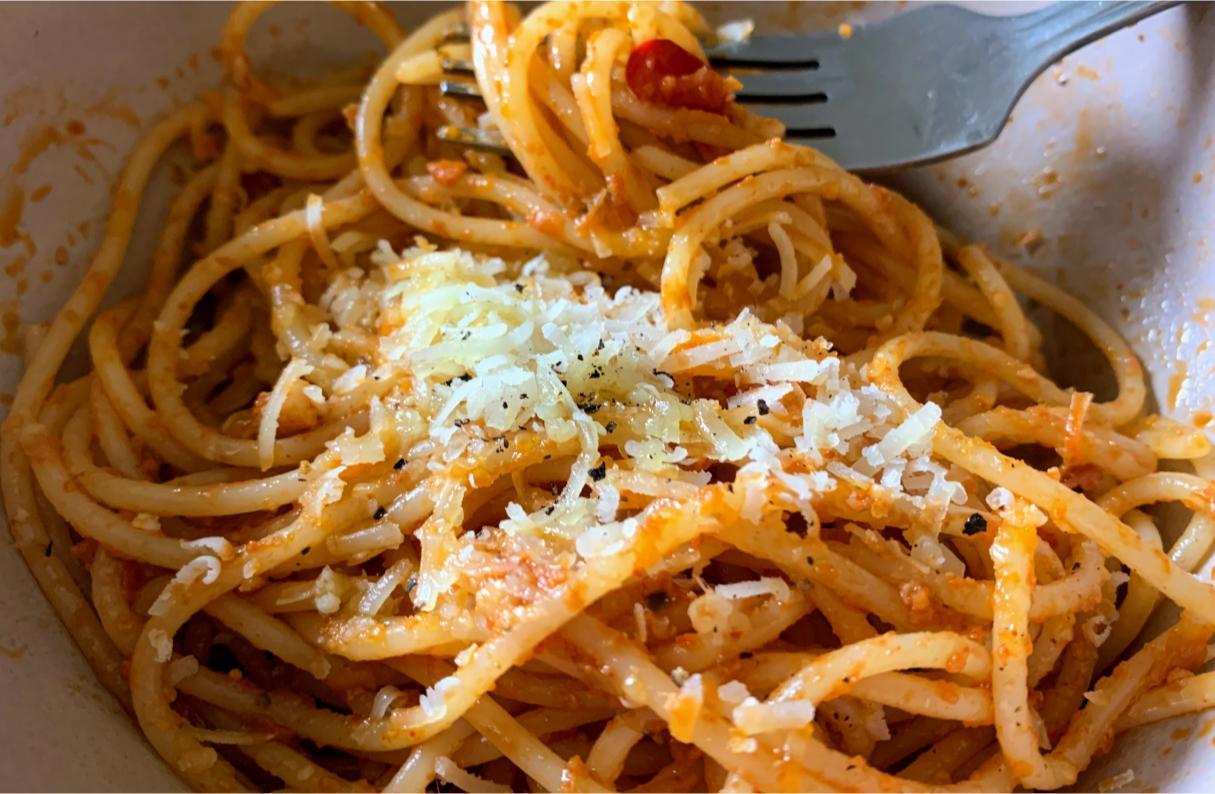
(933, 83)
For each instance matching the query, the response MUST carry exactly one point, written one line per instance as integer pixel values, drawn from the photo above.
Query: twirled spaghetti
(661, 455)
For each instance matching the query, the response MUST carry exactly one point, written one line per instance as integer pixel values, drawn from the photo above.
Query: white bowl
(1108, 161)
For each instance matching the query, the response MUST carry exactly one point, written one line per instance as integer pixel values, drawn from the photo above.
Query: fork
(935, 82)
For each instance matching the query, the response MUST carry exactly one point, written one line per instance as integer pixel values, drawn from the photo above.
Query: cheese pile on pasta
(658, 455)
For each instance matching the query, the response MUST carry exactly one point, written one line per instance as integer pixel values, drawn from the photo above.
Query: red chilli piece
(661, 71)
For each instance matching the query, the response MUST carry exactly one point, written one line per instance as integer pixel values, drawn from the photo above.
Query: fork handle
(1061, 28)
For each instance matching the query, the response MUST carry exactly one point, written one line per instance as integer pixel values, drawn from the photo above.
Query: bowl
(1104, 178)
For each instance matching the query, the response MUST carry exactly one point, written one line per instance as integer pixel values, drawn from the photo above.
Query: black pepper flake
(589, 408)
(466, 377)
(461, 422)
(379, 513)
(523, 395)
(750, 420)
(599, 346)
(596, 373)
(580, 357)
(411, 584)
(548, 511)
(974, 525)
(809, 560)
(599, 472)
(305, 550)
(504, 404)
(49, 548)
(400, 464)
(610, 427)
(657, 600)
(518, 288)
(762, 405)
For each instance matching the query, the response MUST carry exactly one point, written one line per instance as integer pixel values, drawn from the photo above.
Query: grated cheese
(686, 706)
(767, 585)
(146, 521)
(1000, 498)
(446, 769)
(495, 349)
(218, 547)
(267, 428)
(733, 692)
(162, 645)
(753, 717)
(1115, 782)
(180, 669)
(326, 592)
(434, 700)
(384, 698)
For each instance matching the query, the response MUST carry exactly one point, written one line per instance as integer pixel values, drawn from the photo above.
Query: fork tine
(801, 118)
(774, 50)
(459, 89)
(784, 84)
(457, 66)
(456, 34)
(485, 140)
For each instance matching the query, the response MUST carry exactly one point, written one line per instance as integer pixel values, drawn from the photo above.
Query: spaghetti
(662, 455)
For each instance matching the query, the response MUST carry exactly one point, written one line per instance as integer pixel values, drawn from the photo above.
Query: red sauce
(10, 216)
(446, 172)
(661, 71)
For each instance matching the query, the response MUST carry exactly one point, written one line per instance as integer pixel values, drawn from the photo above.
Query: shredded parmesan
(207, 568)
(448, 771)
(267, 429)
(753, 717)
(1124, 778)
(685, 710)
(495, 349)
(314, 216)
(733, 692)
(326, 592)
(180, 669)
(383, 701)
(1000, 498)
(767, 585)
(218, 547)
(162, 645)
(434, 700)
(146, 521)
